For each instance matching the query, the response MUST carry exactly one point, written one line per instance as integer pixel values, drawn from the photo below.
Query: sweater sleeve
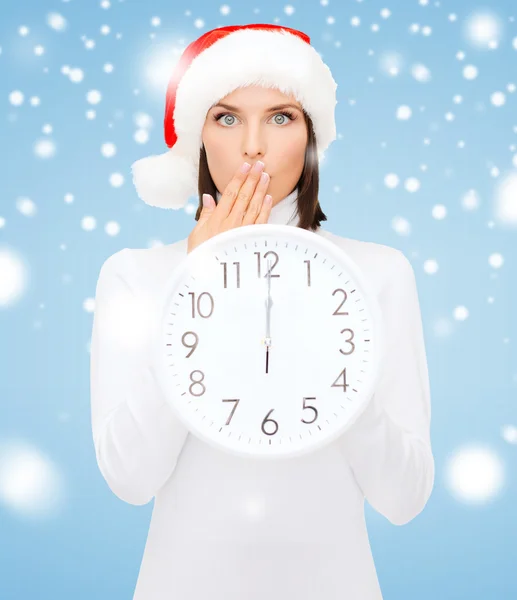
(136, 435)
(389, 446)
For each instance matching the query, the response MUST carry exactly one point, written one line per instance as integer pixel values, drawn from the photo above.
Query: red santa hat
(212, 67)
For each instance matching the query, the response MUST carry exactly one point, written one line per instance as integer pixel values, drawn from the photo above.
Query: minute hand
(269, 304)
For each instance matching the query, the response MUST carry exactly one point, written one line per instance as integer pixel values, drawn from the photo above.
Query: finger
(255, 204)
(265, 210)
(245, 194)
(208, 209)
(229, 196)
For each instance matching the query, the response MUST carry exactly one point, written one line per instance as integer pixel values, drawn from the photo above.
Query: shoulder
(144, 267)
(148, 268)
(379, 262)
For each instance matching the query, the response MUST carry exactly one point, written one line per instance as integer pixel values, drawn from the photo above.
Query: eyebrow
(270, 109)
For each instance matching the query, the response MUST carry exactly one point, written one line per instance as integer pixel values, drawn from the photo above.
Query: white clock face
(316, 375)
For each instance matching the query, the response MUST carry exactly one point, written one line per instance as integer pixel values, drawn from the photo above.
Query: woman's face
(250, 131)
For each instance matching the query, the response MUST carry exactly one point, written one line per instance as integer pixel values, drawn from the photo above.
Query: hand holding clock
(243, 202)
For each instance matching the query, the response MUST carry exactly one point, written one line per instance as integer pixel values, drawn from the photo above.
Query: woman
(223, 526)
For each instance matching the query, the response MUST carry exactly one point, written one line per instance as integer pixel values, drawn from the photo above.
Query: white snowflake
(16, 98)
(412, 184)
(496, 260)
(498, 98)
(391, 181)
(404, 112)
(56, 21)
(470, 72)
(88, 223)
(116, 179)
(431, 266)
(108, 150)
(112, 228)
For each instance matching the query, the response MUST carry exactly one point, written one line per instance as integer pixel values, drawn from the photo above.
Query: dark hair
(308, 209)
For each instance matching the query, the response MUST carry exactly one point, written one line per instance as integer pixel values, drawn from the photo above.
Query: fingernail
(206, 200)
(245, 167)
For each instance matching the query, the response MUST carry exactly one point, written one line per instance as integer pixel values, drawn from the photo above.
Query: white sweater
(230, 528)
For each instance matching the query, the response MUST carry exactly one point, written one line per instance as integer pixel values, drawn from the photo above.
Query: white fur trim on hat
(268, 58)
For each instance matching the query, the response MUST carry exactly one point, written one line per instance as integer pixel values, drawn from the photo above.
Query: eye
(289, 115)
(226, 115)
(282, 115)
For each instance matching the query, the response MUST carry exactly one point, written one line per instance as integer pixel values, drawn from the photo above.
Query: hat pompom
(165, 180)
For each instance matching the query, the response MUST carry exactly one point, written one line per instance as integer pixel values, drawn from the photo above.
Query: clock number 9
(193, 347)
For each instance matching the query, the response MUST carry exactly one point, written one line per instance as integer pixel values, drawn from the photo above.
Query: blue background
(90, 545)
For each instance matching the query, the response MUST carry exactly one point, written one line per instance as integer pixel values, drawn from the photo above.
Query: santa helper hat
(209, 69)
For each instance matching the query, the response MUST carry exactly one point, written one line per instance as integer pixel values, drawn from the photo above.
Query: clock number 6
(266, 419)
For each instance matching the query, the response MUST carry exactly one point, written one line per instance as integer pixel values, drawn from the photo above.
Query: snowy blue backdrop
(425, 161)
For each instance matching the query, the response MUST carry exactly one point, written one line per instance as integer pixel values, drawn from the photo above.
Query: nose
(254, 143)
